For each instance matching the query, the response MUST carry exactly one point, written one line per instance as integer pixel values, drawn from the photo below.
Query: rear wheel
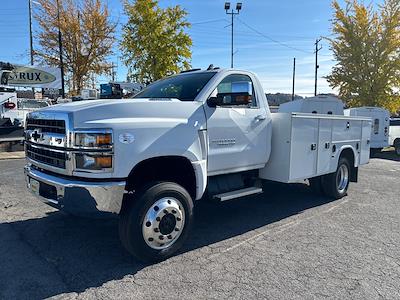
(397, 147)
(156, 225)
(335, 185)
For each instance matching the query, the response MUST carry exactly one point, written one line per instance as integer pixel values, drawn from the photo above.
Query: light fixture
(227, 5)
(238, 6)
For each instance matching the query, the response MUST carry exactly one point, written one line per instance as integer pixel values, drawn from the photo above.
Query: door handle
(261, 117)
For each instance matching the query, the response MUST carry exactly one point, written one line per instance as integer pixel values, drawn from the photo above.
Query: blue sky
(268, 34)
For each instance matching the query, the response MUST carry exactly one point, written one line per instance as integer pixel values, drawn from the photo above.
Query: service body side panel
(324, 143)
(309, 145)
(366, 142)
(303, 156)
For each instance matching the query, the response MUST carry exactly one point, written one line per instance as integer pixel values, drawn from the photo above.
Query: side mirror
(212, 102)
(233, 99)
(240, 94)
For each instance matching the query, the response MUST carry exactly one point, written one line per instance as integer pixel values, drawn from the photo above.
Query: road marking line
(280, 228)
(277, 229)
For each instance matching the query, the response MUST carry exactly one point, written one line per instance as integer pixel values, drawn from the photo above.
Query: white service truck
(380, 124)
(199, 134)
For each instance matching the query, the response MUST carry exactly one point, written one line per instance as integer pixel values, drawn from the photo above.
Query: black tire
(331, 184)
(316, 185)
(397, 148)
(132, 224)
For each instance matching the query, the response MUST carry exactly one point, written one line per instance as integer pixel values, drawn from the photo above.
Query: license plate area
(34, 185)
(43, 189)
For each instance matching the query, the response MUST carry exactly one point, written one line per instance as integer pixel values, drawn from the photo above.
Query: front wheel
(156, 225)
(335, 185)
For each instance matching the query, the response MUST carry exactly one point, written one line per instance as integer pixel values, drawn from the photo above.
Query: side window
(236, 83)
(395, 122)
(376, 126)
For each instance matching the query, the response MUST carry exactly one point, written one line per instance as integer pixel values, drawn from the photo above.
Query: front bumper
(76, 197)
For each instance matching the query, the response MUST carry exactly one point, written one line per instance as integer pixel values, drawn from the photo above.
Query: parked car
(196, 135)
(16, 109)
(394, 134)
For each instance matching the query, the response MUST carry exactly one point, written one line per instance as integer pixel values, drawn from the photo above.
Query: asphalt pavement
(284, 244)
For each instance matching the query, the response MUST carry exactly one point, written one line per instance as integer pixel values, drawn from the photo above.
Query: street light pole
(232, 13)
(30, 37)
(60, 49)
(30, 30)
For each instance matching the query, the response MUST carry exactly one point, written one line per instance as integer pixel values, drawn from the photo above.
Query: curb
(12, 155)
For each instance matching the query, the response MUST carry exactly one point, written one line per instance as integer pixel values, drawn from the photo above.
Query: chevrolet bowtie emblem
(35, 135)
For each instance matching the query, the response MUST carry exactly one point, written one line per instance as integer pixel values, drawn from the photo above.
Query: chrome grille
(46, 156)
(51, 126)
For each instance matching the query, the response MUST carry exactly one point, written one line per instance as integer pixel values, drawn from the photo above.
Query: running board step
(238, 193)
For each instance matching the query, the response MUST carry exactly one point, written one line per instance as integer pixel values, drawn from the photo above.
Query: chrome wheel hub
(342, 178)
(163, 223)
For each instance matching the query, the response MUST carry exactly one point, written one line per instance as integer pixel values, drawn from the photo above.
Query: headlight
(93, 139)
(93, 161)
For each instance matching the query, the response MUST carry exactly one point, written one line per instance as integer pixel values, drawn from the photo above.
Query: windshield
(184, 87)
(31, 104)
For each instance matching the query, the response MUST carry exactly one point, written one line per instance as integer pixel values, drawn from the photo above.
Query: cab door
(237, 129)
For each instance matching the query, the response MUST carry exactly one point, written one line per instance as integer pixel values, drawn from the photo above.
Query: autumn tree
(87, 38)
(154, 42)
(366, 47)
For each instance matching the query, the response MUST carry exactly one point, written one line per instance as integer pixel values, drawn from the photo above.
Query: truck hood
(105, 113)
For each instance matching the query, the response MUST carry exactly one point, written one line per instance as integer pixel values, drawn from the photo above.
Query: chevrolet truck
(201, 134)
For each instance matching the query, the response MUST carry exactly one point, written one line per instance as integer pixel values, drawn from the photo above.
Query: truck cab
(204, 134)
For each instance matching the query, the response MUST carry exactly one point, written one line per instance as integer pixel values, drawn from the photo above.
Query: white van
(321, 104)
(380, 124)
(394, 134)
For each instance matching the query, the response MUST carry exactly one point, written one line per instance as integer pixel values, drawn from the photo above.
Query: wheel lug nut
(158, 219)
(176, 229)
(170, 237)
(148, 224)
(156, 230)
(174, 211)
(151, 239)
(178, 219)
(161, 237)
(165, 211)
(156, 208)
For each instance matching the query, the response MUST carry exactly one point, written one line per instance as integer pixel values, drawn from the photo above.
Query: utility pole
(113, 72)
(316, 63)
(30, 30)
(60, 49)
(232, 13)
(294, 76)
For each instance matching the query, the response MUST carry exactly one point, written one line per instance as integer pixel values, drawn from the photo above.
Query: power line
(209, 21)
(271, 39)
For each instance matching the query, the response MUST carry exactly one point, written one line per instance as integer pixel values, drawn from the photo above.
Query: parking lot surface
(284, 244)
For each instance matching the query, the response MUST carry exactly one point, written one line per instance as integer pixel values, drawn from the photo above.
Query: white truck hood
(110, 113)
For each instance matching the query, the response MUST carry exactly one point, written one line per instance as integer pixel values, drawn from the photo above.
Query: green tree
(367, 50)
(154, 42)
(87, 37)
